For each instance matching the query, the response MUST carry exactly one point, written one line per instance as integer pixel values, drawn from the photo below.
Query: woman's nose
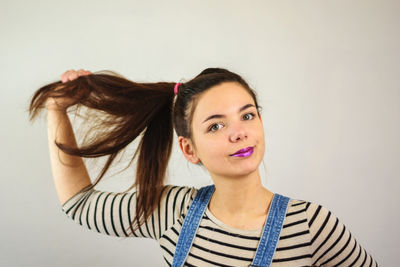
(238, 132)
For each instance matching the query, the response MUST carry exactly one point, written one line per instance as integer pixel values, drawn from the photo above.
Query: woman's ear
(188, 150)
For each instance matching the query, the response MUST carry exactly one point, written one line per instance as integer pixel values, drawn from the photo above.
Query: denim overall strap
(272, 230)
(191, 224)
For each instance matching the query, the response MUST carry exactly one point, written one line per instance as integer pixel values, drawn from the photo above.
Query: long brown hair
(132, 109)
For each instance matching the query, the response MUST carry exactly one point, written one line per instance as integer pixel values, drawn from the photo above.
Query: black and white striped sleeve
(332, 244)
(112, 213)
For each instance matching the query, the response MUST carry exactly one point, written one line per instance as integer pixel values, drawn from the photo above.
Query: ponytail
(130, 109)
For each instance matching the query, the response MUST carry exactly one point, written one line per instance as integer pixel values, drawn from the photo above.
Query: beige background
(327, 74)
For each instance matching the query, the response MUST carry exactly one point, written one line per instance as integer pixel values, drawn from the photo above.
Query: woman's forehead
(222, 99)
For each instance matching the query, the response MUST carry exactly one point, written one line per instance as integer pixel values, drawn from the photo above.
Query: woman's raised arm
(126, 110)
(69, 172)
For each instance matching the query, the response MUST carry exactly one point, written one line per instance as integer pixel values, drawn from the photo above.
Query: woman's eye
(251, 115)
(213, 128)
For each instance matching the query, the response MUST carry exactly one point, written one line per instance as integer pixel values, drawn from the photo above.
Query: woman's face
(225, 120)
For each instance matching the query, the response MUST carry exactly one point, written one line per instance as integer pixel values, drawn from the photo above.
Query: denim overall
(268, 241)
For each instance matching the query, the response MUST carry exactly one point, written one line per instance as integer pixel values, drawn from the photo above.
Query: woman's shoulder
(315, 219)
(180, 196)
(331, 242)
(180, 190)
(311, 210)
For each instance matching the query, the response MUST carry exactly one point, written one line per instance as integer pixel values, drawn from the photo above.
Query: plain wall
(327, 76)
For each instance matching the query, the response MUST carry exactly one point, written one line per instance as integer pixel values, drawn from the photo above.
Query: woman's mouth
(245, 152)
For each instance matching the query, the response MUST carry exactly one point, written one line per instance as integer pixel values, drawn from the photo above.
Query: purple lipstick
(245, 152)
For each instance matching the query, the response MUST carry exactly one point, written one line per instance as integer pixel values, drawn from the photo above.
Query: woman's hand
(61, 104)
(70, 75)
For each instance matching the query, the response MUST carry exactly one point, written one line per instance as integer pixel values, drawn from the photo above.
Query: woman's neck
(240, 197)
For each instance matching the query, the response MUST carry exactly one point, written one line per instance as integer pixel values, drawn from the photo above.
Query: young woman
(216, 116)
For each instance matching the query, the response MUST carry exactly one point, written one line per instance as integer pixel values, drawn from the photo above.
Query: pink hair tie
(176, 88)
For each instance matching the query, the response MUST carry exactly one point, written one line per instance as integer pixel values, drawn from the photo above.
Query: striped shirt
(311, 234)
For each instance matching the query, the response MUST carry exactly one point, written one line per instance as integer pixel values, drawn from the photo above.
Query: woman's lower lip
(245, 154)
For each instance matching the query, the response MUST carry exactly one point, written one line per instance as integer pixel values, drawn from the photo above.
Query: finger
(84, 72)
(64, 76)
(73, 76)
(81, 72)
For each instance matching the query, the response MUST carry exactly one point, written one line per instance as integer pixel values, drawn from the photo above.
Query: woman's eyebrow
(222, 116)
